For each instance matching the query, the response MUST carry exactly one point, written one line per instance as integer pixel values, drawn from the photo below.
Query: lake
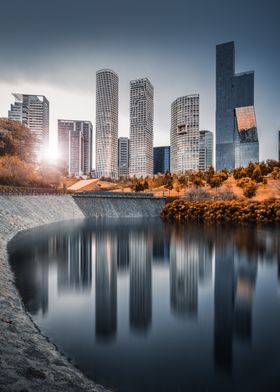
(146, 305)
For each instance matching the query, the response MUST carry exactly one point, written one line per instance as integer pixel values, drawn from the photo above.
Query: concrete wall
(28, 361)
(119, 206)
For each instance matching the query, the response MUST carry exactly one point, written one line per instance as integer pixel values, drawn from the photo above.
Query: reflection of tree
(140, 292)
(106, 286)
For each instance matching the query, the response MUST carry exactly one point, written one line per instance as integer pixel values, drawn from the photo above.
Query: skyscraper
(107, 102)
(184, 146)
(141, 127)
(279, 145)
(123, 156)
(236, 130)
(205, 150)
(161, 159)
(33, 112)
(75, 146)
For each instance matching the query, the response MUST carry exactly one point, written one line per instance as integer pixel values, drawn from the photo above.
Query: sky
(55, 47)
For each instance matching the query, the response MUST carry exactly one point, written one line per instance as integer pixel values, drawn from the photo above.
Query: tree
(15, 172)
(16, 139)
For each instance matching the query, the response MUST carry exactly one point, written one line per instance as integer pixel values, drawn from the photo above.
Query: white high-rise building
(184, 143)
(123, 153)
(205, 149)
(141, 128)
(75, 146)
(33, 112)
(107, 102)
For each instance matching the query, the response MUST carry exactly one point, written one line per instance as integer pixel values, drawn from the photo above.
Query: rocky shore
(28, 361)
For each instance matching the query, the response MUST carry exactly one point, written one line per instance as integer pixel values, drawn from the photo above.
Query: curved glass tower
(184, 140)
(107, 102)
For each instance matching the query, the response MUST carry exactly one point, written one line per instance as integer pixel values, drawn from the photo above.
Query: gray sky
(55, 47)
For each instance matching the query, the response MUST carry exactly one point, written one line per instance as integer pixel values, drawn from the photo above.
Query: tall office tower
(87, 133)
(236, 129)
(33, 112)
(123, 156)
(75, 146)
(107, 102)
(279, 145)
(141, 128)
(205, 150)
(184, 146)
(161, 159)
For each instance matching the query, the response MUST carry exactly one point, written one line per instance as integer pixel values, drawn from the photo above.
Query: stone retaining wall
(28, 361)
(116, 205)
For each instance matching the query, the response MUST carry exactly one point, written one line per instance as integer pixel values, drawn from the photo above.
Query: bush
(197, 194)
(250, 190)
(236, 211)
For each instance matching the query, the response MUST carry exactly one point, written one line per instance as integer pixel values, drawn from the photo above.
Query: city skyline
(65, 74)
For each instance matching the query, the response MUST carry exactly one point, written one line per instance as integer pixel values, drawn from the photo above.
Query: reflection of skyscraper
(224, 302)
(140, 292)
(184, 262)
(106, 286)
(123, 251)
(74, 271)
(245, 287)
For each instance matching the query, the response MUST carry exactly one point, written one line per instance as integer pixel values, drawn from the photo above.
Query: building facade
(75, 146)
(107, 107)
(184, 138)
(33, 112)
(141, 128)
(123, 156)
(236, 129)
(205, 149)
(161, 159)
(279, 145)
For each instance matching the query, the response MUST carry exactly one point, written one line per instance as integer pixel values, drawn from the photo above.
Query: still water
(142, 305)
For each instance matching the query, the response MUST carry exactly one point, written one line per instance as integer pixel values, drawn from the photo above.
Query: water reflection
(106, 285)
(140, 277)
(145, 279)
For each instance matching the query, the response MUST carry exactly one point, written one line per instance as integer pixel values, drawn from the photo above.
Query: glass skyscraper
(107, 106)
(161, 159)
(236, 130)
(205, 149)
(184, 146)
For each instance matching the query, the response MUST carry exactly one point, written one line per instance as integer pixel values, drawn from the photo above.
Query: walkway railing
(17, 190)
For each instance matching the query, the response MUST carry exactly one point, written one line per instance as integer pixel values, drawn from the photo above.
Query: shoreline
(30, 361)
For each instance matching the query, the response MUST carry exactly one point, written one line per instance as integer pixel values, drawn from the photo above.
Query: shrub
(250, 190)
(223, 211)
(243, 182)
(197, 194)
